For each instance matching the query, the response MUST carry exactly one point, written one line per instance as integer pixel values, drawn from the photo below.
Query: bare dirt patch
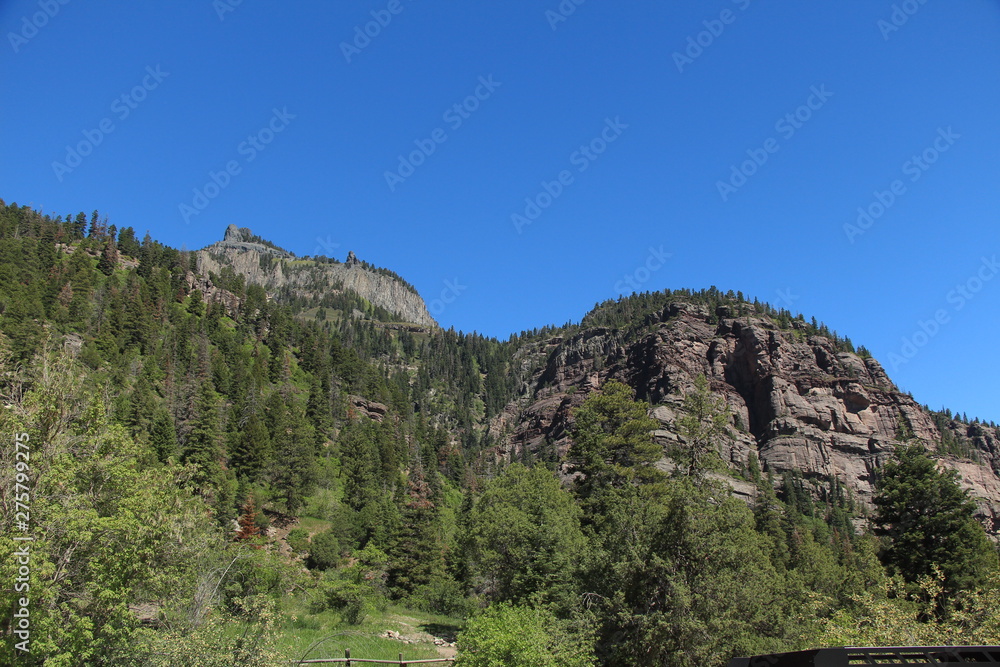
(413, 631)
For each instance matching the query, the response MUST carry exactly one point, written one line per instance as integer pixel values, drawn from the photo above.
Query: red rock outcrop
(796, 400)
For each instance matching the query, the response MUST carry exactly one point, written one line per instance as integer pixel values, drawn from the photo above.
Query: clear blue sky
(678, 124)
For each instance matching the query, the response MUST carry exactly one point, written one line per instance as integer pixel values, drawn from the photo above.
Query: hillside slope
(179, 419)
(799, 400)
(264, 264)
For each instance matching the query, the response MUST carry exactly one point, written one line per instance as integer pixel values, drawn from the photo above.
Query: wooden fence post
(347, 654)
(401, 663)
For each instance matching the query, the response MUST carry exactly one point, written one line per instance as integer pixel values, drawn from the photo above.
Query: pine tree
(927, 521)
(202, 447)
(612, 442)
(296, 477)
(358, 453)
(248, 521)
(128, 245)
(163, 436)
(250, 450)
(109, 258)
(318, 408)
(702, 426)
(79, 225)
(141, 408)
(769, 519)
(147, 257)
(416, 553)
(46, 249)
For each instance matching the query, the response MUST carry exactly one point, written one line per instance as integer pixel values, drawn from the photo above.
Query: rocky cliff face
(275, 269)
(796, 401)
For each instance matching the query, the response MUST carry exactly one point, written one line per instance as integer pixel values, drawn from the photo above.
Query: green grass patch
(314, 525)
(305, 635)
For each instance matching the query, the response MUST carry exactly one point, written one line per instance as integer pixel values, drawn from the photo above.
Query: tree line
(172, 427)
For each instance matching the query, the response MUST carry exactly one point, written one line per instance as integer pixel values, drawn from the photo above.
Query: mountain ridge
(801, 398)
(219, 399)
(799, 401)
(263, 263)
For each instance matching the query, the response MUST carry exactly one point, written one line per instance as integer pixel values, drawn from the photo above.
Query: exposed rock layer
(274, 269)
(796, 400)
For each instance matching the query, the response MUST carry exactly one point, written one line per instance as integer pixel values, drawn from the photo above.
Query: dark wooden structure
(896, 655)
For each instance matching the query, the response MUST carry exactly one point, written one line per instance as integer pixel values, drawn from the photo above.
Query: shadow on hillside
(447, 632)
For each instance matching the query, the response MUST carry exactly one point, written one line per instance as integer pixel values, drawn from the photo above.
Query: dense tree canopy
(180, 424)
(927, 520)
(524, 536)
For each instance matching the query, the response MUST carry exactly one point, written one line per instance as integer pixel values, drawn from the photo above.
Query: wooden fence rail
(348, 660)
